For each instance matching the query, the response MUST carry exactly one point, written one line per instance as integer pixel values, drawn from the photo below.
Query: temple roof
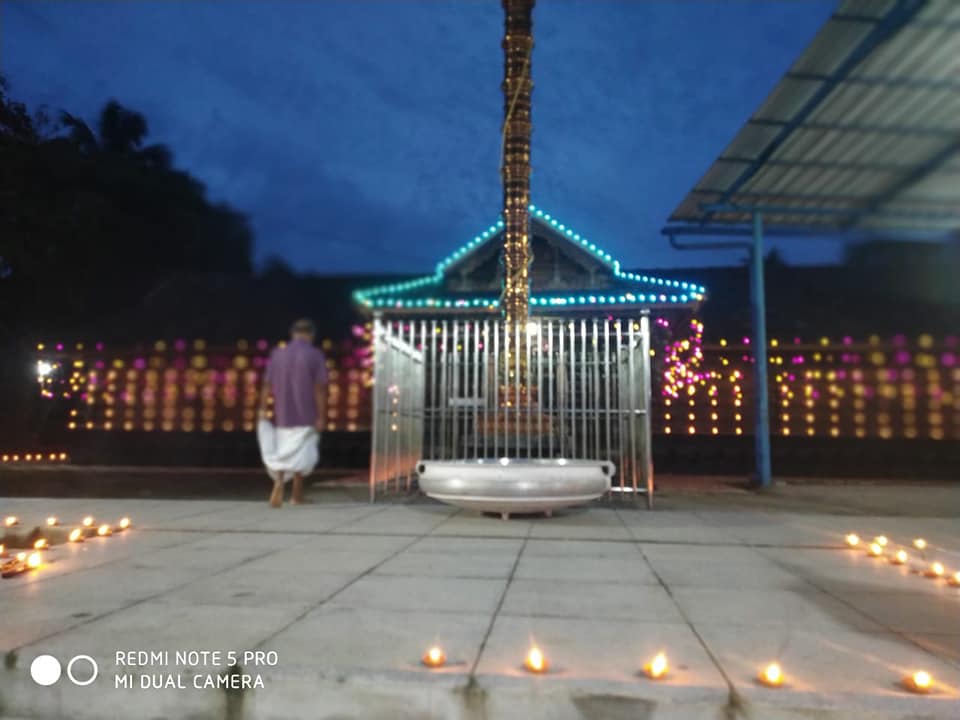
(569, 273)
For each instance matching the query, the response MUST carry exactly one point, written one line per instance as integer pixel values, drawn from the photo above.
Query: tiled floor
(349, 595)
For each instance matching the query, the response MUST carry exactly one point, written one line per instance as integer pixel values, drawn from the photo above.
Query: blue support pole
(762, 404)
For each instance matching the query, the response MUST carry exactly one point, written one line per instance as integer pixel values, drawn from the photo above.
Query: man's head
(303, 329)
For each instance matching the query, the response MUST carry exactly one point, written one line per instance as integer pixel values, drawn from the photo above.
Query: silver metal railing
(580, 391)
(397, 413)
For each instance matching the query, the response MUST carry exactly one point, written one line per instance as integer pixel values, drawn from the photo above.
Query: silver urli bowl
(508, 486)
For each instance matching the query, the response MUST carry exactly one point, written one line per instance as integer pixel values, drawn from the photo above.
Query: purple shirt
(293, 372)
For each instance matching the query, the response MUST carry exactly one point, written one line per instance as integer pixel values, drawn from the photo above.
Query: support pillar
(762, 400)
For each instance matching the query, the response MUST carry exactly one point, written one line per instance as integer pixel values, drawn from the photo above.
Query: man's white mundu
(287, 450)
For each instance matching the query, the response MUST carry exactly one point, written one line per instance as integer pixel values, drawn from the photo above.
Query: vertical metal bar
(528, 370)
(633, 402)
(485, 390)
(375, 410)
(607, 369)
(646, 437)
(516, 386)
(561, 390)
(431, 365)
(551, 380)
(758, 306)
(444, 394)
(540, 392)
(477, 368)
(455, 390)
(595, 361)
(584, 372)
(573, 390)
(622, 406)
(496, 389)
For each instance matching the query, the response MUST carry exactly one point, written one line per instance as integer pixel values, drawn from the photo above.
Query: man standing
(296, 379)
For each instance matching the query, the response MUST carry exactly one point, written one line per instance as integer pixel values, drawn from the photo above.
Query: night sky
(363, 135)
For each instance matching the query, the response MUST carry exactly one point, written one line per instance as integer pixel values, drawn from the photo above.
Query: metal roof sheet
(863, 131)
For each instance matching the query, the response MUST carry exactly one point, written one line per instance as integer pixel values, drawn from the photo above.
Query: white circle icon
(93, 664)
(45, 669)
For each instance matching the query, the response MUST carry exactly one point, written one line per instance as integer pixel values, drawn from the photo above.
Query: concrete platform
(349, 595)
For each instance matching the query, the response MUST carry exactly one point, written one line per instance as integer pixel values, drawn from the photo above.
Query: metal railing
(577, 389)
(397, 413)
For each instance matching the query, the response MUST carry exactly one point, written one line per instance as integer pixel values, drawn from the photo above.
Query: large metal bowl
(508, 486)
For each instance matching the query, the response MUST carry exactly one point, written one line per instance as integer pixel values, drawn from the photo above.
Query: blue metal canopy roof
(863, 131)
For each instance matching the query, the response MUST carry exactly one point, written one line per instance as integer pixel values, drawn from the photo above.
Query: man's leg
(296, 496)
(276, 497)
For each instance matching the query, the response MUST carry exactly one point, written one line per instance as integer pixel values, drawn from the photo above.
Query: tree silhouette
(91, 221)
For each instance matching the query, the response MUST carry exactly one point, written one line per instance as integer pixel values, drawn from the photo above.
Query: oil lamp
(41, 544)
(3, 551)
(76, 535)
(936, 570)
(34, 560)
(881, 540)
(88, 521)
(876, 549)
(900, 557)
(124, 523)
(434, 657)
(52, 521)
(919, 682)
(953, 580)
(535, 661)
(772, 675)
(657, 667)
(104, 531)
(919, 543)
(10, 520)
(853, 539)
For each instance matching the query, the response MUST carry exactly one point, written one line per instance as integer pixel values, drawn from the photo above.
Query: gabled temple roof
(568, 273)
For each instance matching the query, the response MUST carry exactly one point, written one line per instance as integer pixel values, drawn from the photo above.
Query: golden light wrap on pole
(515, 177)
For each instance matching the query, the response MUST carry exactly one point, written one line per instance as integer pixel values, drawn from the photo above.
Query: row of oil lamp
(658, 668)
(879, 547)
(24, 561)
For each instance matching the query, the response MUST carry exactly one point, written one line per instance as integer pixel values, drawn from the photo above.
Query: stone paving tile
(560, 598)
(718, 567)
(583, 549)
(449, 565)
(769, 608)
(371, 640)
(598, 649)
(589, 569)
(830, 666)
(910, 612)
(471, 595)
(470, 546)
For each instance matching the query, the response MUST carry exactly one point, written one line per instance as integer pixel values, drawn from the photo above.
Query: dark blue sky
(363, 135)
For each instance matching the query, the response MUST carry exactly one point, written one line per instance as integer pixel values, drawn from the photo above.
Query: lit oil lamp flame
(936, 570)
(853, 539)
(919, 543)
(881, 540)
(88, 521)
(920, 682)
(656, 668)
(900, 557)
(10, 520)
(124, 523)
(772, 675)
(52, 521)
(876, 549)
(535, 661)
(434, 657)
(104, 531)
(76, 535)
(3, 550)
(954, 579)
(21, 556)
(34, 561)
(41, 544)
